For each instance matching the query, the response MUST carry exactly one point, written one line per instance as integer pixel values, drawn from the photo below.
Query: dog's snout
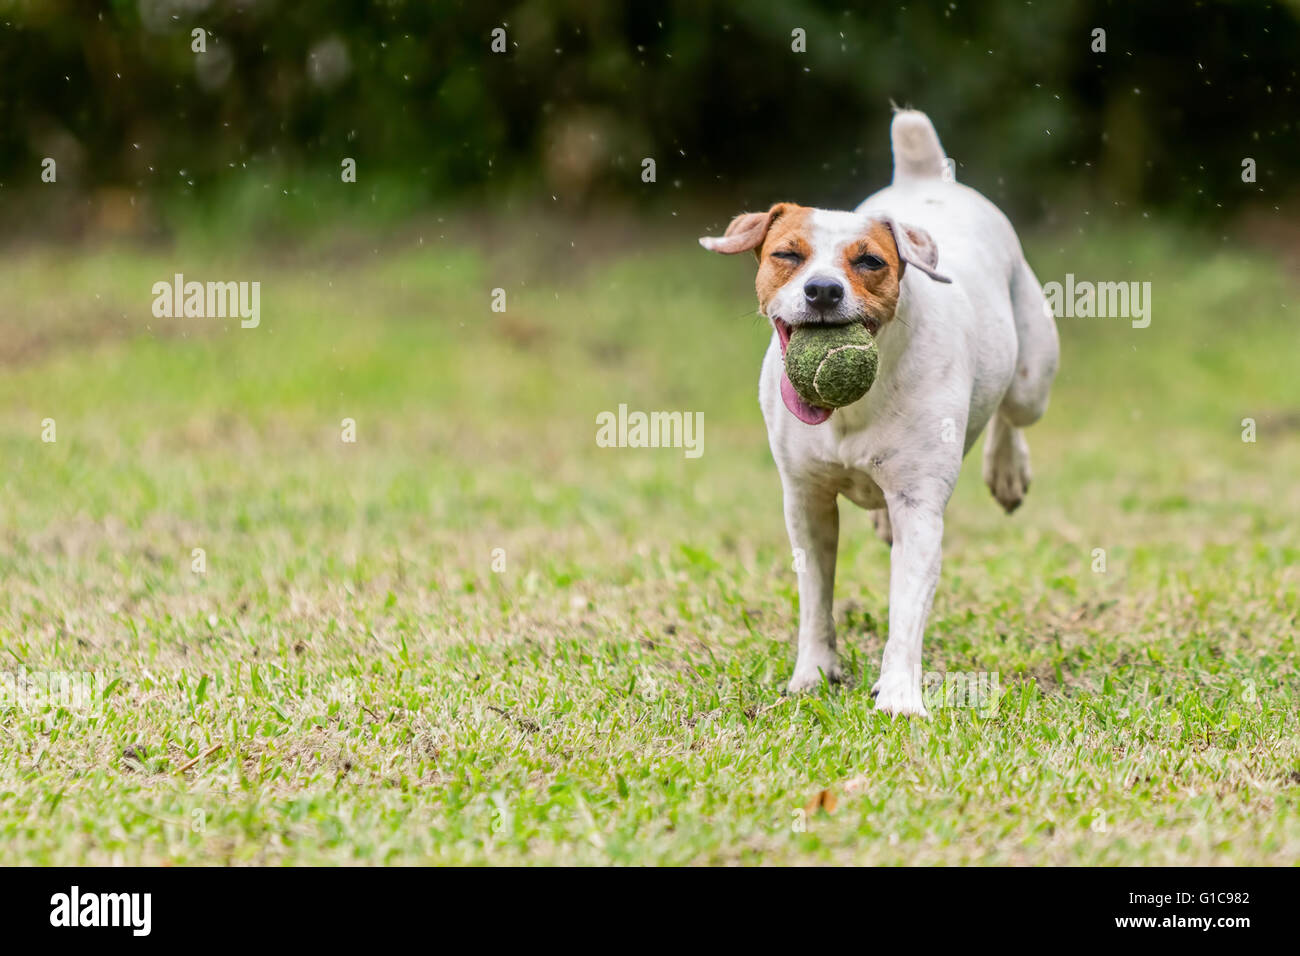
(823, 293)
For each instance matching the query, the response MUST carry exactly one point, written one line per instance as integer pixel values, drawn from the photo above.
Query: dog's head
(818, 266)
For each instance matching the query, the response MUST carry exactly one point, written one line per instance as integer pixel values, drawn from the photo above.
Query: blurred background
(147, 132)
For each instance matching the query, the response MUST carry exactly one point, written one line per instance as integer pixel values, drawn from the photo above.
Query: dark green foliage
(585, 92)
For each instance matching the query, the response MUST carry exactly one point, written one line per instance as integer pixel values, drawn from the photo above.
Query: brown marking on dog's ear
(747, 231)
(916, 247)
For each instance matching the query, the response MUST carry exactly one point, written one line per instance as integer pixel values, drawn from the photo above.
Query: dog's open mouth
(800, 409)
(808, 414)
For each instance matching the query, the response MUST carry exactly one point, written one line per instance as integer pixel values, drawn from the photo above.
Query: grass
(351, 681)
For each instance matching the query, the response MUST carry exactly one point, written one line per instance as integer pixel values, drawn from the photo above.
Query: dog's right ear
(747, 231)
(916, 247)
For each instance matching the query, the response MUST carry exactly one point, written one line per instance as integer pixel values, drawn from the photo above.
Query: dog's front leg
(812, 519)
(913, 574)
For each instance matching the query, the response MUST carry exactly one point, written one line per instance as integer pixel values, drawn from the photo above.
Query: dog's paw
(884, 530)
(899, 695)
(1006, 466)
(808, 674)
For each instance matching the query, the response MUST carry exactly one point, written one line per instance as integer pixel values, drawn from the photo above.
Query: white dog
(936, 273)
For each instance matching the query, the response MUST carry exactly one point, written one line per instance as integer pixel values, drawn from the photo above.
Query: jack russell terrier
(936, 273)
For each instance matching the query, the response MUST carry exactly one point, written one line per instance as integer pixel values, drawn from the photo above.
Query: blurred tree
(712, 90)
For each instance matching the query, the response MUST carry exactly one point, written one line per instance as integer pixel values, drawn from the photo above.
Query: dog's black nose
(823, 293)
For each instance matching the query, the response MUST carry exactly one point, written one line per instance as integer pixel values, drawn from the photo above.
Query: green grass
(359, 686)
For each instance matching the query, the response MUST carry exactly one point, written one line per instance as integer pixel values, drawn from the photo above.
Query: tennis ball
(831, 365)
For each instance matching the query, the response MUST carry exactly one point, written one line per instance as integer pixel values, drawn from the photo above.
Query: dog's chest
(862, 491)
(839, 455)
(842, 463)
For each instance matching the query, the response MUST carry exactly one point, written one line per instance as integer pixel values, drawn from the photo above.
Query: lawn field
(473, 635)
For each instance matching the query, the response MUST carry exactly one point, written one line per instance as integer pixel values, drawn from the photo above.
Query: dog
(965, 337)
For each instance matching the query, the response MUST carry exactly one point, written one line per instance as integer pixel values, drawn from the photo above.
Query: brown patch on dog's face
(874, 270)
(819, 266)
(785, 250)
(802, 243)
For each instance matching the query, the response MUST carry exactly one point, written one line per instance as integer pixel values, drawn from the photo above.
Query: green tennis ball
(831, 365)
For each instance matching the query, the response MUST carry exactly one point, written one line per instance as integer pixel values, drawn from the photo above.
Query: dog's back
(961, 220)
(979, 248)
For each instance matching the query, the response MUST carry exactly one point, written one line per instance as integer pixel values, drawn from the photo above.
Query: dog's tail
(918, 154)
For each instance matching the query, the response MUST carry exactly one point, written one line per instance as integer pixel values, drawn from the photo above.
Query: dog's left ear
(916, 247)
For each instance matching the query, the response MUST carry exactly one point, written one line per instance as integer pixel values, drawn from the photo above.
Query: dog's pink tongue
(808, 414)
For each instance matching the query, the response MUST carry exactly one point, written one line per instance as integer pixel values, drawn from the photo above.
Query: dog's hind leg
(1038, 351)
(1006, 463)
(1006, 453)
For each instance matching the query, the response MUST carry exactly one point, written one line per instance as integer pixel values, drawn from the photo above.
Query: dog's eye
(788, 255)
(869, 262)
